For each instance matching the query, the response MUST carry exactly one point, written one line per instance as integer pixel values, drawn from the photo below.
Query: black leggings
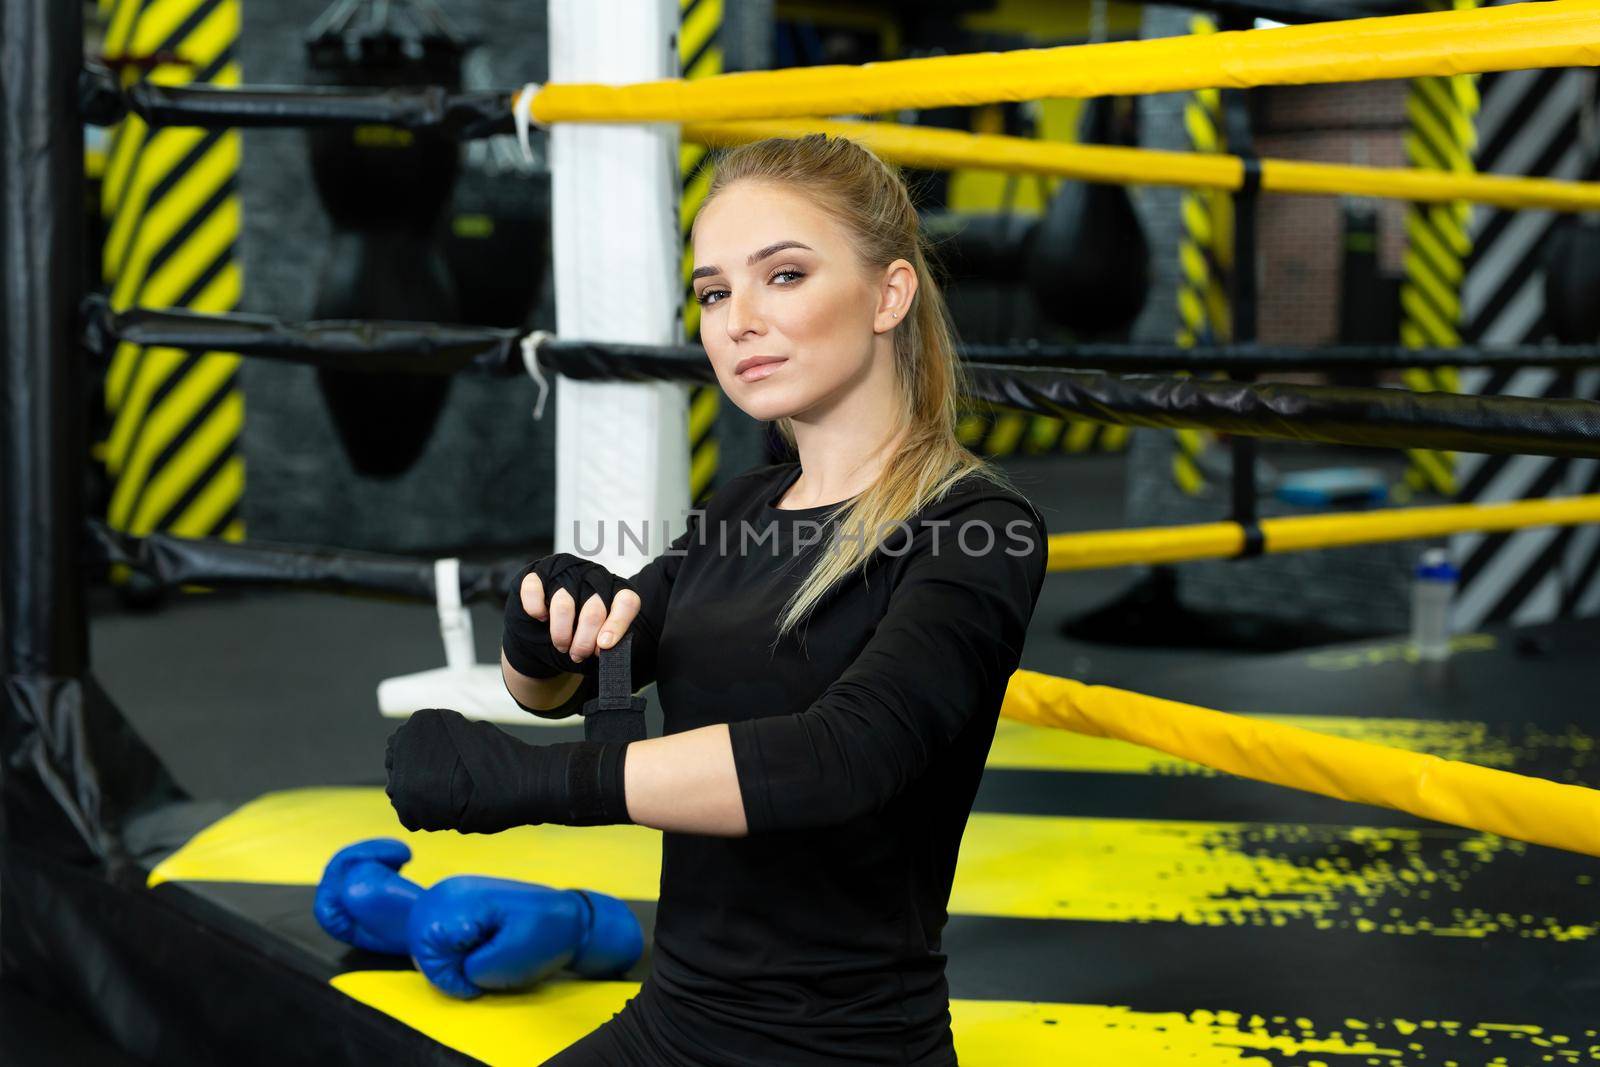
(618, 1042)
(632, 1038)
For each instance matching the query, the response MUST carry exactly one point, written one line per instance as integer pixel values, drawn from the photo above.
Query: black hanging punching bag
(1089, 262)
(987, 248)
(385, 190)
(1572, 280)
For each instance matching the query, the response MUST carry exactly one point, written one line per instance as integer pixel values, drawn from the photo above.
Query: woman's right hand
(560, 610)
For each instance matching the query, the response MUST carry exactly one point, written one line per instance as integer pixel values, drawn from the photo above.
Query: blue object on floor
(1333, 485)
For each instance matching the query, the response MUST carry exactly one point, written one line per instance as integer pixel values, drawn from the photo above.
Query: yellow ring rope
(1562, 33)
(939, 149)
(1302, 533)
(1461, 794)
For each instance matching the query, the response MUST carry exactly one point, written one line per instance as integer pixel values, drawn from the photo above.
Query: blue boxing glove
(363, 901)
(471, 935)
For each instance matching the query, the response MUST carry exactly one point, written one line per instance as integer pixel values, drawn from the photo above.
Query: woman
(831, 640)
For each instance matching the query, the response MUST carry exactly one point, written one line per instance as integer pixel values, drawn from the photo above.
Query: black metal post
(747, 37)
(1243, 292)
(43, 629)
(70, 765)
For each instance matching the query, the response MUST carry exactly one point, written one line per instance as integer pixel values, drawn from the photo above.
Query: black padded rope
(462, 115)
(1331, 414)
(1348, 415)
(435, 348)
(169, 562)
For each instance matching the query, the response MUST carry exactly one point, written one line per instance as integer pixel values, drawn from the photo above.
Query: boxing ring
(185, 931)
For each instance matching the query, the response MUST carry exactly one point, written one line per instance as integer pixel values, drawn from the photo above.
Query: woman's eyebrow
(755, 257)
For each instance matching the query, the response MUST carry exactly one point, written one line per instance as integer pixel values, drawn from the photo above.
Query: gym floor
(1283, 927)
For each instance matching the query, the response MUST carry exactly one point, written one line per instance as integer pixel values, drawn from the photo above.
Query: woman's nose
(743, 317)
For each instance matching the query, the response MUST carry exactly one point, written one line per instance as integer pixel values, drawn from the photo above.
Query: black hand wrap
(527, 640)
(449, 773)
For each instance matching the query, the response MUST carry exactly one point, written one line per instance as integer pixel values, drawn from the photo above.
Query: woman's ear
(895, 293)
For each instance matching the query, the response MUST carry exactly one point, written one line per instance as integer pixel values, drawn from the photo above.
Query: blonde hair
(870, 200)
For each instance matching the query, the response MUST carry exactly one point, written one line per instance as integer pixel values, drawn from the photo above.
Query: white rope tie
(522, 110)
(530, 360)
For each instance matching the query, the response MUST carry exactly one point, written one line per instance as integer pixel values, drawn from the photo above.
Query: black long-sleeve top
(858, 741)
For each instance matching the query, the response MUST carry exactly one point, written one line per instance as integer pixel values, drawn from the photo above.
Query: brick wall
(1363, 589)
(1299, 238)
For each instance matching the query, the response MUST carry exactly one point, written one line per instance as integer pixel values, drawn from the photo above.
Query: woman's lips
(760, 371)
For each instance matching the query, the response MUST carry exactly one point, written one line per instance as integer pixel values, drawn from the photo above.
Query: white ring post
(455, 624)
(622, 448)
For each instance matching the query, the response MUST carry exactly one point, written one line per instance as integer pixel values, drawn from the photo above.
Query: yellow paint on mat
(1390, 880)
(521, 1028)
(287, 838)
(526, 1028)
(529, 1027)
(1197, 873)
(1351, 659)
(1006, 1032)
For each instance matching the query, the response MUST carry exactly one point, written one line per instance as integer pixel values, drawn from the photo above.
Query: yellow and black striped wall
(170, 198)
(1205, 257)
(1441, 135)
(699, 56)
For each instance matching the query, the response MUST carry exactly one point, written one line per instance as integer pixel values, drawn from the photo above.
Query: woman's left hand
(429, 787)
(447, 772)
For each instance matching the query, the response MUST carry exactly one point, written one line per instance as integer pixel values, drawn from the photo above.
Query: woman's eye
(707, 298)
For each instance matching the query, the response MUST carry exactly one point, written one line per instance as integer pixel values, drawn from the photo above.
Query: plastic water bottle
(1433, 585)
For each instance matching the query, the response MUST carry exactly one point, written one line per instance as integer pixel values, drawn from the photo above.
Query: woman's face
(777, 280)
